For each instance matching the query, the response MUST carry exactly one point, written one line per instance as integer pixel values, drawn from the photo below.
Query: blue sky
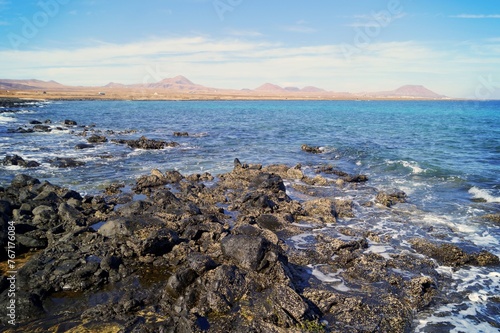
(450, 47)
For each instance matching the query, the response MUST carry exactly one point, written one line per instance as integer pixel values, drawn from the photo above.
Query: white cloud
(299, 26)
(237, 63)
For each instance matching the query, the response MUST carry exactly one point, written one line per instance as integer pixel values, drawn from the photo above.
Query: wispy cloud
(4, 23)
(374, 20)
(299, 26)
(240, 62)
(244, 33)
(477, 16)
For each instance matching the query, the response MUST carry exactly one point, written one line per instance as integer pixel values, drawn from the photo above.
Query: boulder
(311, 149)
(248, 252)
(390, 199)
(19, 161)
(42, 128)
(452, 255)
(83, 146)
(97, 139)
(322, 210)
(66, 162)
(69, 122)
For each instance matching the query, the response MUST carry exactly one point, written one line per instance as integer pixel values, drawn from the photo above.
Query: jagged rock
(322, 210)
(452, 255)
(390, 199)
(173, 176)
(83, 146)
(42, 128)
(97, 139)
(200, 177)
(145, 143)
(249, 252)
(181, 134)
(66, 162)
(69, 122)
(311, 149)
(18, 160)
(492, 217)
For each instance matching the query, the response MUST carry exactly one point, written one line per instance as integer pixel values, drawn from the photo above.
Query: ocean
(445, 155)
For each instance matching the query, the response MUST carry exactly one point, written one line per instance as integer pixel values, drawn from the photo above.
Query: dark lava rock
(69, 122)
(452, 255)
(311, 149)
(145, 143)
(42, 128)
(200, 177)
(83, 146)
(97, 139)
(356, 179)
(328, 169)
(19, 161)
(390, 199)
(271, 222)
(66, 162)
(181, 134)
(249, 252)
(23, 180)
(20, 130)
(35, 122)
(173, 176)
(492, 217)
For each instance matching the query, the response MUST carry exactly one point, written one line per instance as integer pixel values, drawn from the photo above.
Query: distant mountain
(115, 85)
(411, 91)
(31, 84)
(312, 89)
(176, 83)
(273, 88)
(181, 84)
(269, 87)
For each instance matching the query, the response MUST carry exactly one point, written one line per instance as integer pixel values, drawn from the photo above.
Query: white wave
(483, 194)
(4, 119)
(415, 168)
(480, 284)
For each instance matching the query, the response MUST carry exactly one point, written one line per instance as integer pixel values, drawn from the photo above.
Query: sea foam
(483, 194)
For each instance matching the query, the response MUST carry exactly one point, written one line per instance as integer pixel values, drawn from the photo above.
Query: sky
(450, 47)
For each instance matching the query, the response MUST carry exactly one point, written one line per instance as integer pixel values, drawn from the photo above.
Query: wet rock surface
(202, 254)
(145, 143)
(19, 161)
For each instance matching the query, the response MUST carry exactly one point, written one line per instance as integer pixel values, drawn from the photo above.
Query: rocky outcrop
(452, 255)
(145, 143)
(65, 162)
(390, 199)
(97, 139)
(311, 149)
(191, 256)
(19, 161)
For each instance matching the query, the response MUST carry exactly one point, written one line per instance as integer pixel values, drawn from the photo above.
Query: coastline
(140, 95)
(219, 253)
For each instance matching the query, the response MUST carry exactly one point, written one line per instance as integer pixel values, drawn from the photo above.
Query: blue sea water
(444, 154)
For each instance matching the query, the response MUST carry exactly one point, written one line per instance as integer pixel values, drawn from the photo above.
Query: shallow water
(445, 155)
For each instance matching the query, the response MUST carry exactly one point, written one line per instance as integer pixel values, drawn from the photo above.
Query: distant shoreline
(134, 95)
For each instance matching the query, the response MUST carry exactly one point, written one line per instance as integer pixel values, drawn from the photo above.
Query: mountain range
(181, 84)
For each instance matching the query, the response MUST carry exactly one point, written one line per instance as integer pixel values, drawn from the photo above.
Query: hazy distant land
(181, 88)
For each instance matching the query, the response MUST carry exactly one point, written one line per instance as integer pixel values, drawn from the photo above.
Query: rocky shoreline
(198, 253)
